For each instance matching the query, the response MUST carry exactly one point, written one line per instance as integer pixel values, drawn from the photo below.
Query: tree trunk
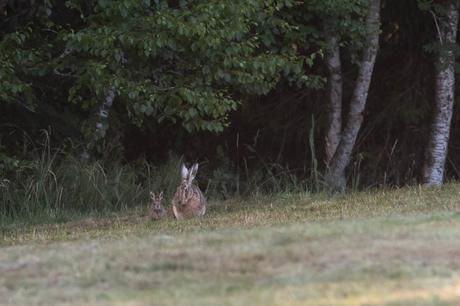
(433, 170)
(335, 175)
(335, 95)
(101, 123)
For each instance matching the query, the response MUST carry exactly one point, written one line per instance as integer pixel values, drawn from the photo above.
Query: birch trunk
(433, 170)
(335, 85)
(335, 176)
(101, 123)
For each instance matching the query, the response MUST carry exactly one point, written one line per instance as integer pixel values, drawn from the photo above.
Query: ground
(385, 247)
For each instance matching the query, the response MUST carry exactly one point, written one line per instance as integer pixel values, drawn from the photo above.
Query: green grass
(397, 247)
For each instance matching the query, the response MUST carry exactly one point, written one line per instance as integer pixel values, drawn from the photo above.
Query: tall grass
(56, 187)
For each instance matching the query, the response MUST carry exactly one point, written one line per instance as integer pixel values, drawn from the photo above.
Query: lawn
(385, 247)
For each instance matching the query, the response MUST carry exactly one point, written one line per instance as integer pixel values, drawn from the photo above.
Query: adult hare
(188, 201)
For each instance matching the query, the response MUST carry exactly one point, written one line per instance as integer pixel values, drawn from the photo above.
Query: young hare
(188, 201)
(157, 211)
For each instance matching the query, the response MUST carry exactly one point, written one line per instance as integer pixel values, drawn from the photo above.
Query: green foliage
(192, 62)
(24, 50)
(187, 64)
(185, 70)
(344, 18)
(15, 65)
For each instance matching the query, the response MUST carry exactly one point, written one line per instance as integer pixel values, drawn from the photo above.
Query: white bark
(101, 125)
(335, 85)
(433, 170)
(335, 175)
(103, 113)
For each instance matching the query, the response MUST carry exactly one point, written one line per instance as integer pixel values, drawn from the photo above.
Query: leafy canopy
(189, 62)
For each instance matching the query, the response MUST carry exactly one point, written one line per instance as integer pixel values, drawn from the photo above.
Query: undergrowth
(55, 186)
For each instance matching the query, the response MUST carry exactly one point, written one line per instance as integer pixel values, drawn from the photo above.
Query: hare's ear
(152, 195)
(193, 172)
(184, 171)
(160, 196)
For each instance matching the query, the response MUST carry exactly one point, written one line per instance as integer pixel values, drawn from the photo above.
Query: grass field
(399, 247)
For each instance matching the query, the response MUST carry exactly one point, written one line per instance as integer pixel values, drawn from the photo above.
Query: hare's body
(157, 211)
(189, 203)
(188, 200)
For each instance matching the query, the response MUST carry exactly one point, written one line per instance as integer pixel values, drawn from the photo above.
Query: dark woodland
(116, 94)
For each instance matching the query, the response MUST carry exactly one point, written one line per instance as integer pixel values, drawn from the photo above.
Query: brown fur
(157, 211)
(188, 200)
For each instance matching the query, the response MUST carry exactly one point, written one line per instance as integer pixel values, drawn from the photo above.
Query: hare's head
(156, 200)
(187, 178)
